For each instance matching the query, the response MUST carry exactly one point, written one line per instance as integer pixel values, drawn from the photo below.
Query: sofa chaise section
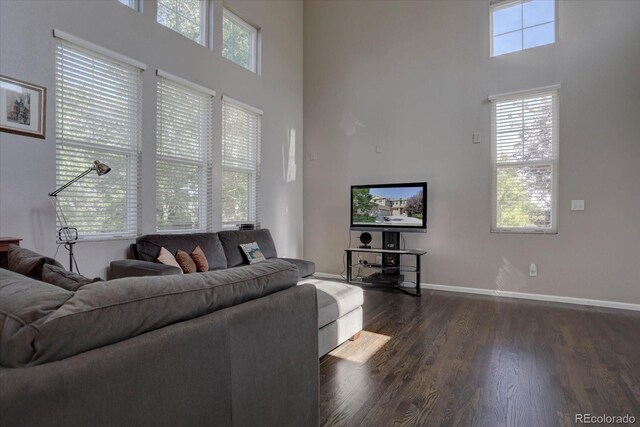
(339, 312)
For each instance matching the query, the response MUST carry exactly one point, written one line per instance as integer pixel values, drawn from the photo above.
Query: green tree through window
(525, 151)
(239, 41)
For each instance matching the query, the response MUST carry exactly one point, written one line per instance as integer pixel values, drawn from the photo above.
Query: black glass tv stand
(390, 272)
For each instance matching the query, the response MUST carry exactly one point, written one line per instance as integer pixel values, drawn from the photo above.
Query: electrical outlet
(379, 259)
(477, 138)
(378, 148)
(577, 205)
(533, 270)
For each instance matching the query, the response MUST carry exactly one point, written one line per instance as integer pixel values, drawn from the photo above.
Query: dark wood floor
(457, 359)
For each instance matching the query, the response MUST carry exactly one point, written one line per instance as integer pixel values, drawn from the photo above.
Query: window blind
(98, 115)
(525, 162)
(183, 166)
(241, 140)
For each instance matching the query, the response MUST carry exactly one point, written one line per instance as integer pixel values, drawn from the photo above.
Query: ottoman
(339, 313)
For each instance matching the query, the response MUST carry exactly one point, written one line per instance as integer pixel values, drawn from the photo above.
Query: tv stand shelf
(384, 269)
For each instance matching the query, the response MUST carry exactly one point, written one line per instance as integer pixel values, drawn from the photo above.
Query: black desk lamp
(69, 235)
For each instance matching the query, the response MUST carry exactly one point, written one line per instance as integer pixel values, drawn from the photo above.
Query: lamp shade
(101, 168)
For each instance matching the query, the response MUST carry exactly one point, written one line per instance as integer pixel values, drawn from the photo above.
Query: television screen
(389, 206)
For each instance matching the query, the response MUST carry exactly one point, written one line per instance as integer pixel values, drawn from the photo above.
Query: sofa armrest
(135, 268)
(305, 268)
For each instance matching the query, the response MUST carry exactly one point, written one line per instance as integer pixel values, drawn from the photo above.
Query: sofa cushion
(335, 299)
(165, 257)
(104, 313)
(305, 268)
(148, 247)
(24, 304)
(135, 268)
(24, 261)
(68, 280)
(186, 263)
(200, 259)
(232, 239)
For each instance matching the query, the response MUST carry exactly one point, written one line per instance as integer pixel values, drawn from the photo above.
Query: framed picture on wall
(22, 107)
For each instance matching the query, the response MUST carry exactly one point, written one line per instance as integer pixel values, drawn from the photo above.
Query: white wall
(27, 165)
(414, 76)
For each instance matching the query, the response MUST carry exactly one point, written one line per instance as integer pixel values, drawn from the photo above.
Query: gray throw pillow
(65, 279)
(28, 263)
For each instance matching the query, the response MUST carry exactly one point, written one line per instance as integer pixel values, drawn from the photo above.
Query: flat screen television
(389, 207)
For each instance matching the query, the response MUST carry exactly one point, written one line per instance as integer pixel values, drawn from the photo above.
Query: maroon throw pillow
(186, 263)
(200, 259)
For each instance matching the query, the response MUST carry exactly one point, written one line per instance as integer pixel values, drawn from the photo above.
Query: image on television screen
(387, 206)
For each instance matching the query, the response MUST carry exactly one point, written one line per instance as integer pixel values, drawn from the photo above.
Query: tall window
(241, 139)
(522, 24)
(239, 41)
(183, 166)
(98, 113)
(187, 17)
(525, 162)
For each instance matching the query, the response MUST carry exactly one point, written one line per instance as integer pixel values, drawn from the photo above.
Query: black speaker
(390, 240)
(365, 238)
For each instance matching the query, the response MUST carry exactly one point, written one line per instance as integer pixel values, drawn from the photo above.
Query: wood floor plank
(456, 359)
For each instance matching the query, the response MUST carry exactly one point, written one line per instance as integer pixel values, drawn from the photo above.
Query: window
(133, 4)
(98, 112)
(522, 24)
(241, 135)
(239, 41)
(183, 166)
(525, 162)
(186, 17)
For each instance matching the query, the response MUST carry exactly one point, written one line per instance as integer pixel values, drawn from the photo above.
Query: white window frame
(499, 4)
(133, 153)
(253, 41)
(204, 19)
(553, 162)
(204, 163)
(253, 202)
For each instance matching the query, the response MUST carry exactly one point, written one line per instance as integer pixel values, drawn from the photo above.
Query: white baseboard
(536, 297)
(512, 294)
(328, 276)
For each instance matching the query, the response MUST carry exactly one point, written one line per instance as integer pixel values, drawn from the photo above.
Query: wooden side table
(4, 248)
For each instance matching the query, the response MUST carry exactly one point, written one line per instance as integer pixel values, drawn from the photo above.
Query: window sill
(99, 239)
(523, 231)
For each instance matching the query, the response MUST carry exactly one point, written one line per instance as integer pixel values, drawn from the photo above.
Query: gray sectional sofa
(339, 304)
(222, 250)
(235, 347)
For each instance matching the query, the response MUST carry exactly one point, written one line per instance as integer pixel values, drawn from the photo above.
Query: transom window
(186, 17)
(239, 41)
(522, 24)
(525, 162)
(133, 4)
